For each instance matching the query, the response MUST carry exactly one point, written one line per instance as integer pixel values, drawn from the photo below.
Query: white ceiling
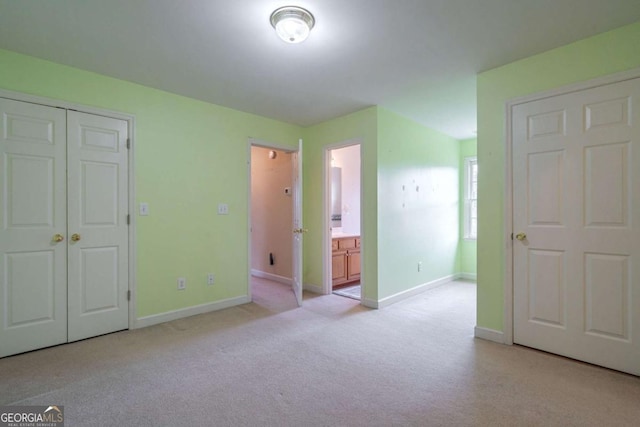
(418, 58)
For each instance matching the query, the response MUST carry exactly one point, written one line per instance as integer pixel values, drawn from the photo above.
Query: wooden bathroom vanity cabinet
(345, 260)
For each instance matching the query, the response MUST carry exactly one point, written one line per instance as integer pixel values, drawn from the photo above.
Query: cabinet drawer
(349, 243)
(334, 245)
(357, 242)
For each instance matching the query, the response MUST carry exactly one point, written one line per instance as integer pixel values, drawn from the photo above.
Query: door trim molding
(131, 120)
(508, 188)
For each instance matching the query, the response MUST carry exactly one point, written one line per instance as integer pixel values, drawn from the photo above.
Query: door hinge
(128, 143)
(128, 219)
(511, 236)
(129, 295)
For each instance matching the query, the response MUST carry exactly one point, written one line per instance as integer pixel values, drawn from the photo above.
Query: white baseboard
(371, 303)
(274, 277)
(489, 334)
(168, 316)
(385, 302)
(469, 276)
(313, 288)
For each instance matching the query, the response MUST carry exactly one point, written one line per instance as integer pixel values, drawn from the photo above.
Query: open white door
(297, 223)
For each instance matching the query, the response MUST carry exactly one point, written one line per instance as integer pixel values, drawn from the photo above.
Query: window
(471, 198)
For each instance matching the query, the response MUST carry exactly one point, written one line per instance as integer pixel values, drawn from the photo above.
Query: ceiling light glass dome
(292, 24)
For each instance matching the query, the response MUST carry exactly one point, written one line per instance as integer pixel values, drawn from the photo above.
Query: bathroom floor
(352, 291)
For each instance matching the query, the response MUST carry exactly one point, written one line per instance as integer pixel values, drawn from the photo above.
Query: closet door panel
(98, 249)
(97, 204)
(33, 263)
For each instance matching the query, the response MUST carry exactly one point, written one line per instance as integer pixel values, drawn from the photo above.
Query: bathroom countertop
(339, 234)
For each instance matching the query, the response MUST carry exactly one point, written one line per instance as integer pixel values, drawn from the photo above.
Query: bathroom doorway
(343, 203)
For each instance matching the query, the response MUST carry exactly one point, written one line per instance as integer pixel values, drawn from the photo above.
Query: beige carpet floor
(330, 363)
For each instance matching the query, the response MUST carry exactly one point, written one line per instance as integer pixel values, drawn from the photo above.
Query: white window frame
(470, 234)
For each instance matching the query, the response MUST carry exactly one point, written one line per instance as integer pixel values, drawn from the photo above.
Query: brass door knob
(58, 238)
(75, 237)
(521, 236)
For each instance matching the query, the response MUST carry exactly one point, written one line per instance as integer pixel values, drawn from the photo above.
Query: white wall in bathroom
(348, 158)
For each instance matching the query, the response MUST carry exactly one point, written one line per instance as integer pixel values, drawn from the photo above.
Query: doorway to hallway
(273, 179)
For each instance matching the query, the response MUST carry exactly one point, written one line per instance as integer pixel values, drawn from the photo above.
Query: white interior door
(98, 229)
(576, 215)
(33, 268)
(298, 231)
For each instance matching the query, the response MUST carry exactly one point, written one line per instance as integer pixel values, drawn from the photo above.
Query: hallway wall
(271, 212)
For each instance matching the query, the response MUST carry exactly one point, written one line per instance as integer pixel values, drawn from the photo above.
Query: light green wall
(396, 151)
(421, 222)
(361, 125)
(189, 156)
(468, 248)
(607, 53)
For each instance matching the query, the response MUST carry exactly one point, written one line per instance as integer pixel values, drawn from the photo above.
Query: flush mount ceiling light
(292, 23)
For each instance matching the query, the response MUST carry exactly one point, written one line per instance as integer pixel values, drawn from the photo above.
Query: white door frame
(254, 142)
(508, 193)
(130, 119)
(327, 282)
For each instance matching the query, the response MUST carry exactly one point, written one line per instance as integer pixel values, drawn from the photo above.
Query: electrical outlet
(182, 283)
(419, 265)
(210, 279)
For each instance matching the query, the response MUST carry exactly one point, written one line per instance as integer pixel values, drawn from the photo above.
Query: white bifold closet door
(63, 212)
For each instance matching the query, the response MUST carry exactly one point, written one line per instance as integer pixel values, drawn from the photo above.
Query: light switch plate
(144, 209)
(223, 209)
